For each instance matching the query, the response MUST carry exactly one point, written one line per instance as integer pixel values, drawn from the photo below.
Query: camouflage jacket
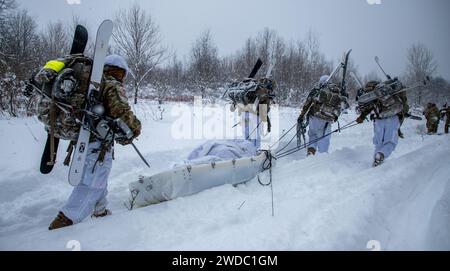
(116, 105)
(431, 113)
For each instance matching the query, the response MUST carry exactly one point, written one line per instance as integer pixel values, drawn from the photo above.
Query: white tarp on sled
(212, 164)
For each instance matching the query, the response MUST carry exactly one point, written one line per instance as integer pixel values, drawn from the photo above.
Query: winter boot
(60, 221)
(106, 212)
(379, 159)
(400, 133)
(311, 151)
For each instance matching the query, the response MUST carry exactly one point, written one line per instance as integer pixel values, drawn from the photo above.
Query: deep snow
(334, 201)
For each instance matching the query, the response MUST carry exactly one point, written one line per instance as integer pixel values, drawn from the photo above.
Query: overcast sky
(385, 29)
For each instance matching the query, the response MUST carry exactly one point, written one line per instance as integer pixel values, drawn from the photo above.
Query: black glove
(124, 141)
(360, 119)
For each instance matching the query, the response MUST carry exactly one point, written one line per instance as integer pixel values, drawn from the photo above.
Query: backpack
(327, 102)
(389, 106)
(69, 87)
(386, 103)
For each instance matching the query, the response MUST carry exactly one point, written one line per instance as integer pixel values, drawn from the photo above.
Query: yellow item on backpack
(55, 65)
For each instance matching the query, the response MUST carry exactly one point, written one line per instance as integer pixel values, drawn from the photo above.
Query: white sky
(386, 30)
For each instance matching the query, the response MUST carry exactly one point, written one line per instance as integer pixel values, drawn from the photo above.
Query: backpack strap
(69, 152)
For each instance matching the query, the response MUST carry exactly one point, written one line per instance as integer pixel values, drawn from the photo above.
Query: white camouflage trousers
(317, 129)
(89, 195)
(252, 128)
(385, 136)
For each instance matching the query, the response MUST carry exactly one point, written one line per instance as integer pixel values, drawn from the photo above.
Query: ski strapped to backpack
(101, 48)
(51, 146)
(326, 100)
(385, 90)
(252, 91)
(249, 94)
(107, 128)
(71, 87)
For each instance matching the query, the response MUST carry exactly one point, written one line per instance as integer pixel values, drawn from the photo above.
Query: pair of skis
(78, 46)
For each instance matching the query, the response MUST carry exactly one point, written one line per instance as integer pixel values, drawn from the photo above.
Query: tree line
(157, 73)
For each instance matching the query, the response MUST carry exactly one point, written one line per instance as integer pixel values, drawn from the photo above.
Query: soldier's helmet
(323, 79)
(117, 61)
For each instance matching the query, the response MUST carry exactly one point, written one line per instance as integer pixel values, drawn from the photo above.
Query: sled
(191, 179)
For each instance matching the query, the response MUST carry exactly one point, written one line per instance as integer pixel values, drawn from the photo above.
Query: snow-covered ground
(334, 201)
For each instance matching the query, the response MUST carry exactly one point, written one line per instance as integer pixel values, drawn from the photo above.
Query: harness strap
(52, 131)
(69, 153)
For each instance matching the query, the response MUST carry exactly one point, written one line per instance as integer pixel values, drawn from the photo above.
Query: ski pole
(140, 154)
(377, 60)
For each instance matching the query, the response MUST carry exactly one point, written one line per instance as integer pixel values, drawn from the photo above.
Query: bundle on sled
(212, 164)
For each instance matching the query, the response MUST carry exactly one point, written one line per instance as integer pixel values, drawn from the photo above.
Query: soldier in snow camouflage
(388, 113)
(89, 197)
(323, 106)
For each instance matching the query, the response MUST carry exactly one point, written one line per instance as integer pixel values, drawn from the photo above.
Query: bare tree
(420, 64)
(19, 56)
(7, 5)
(204, 61)
(138, 38)
(245, 59)
(55, 41)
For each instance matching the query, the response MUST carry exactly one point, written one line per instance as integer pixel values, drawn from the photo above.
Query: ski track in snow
(334, 201)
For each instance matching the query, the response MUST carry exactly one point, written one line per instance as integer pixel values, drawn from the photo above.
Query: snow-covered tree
(420, 64)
